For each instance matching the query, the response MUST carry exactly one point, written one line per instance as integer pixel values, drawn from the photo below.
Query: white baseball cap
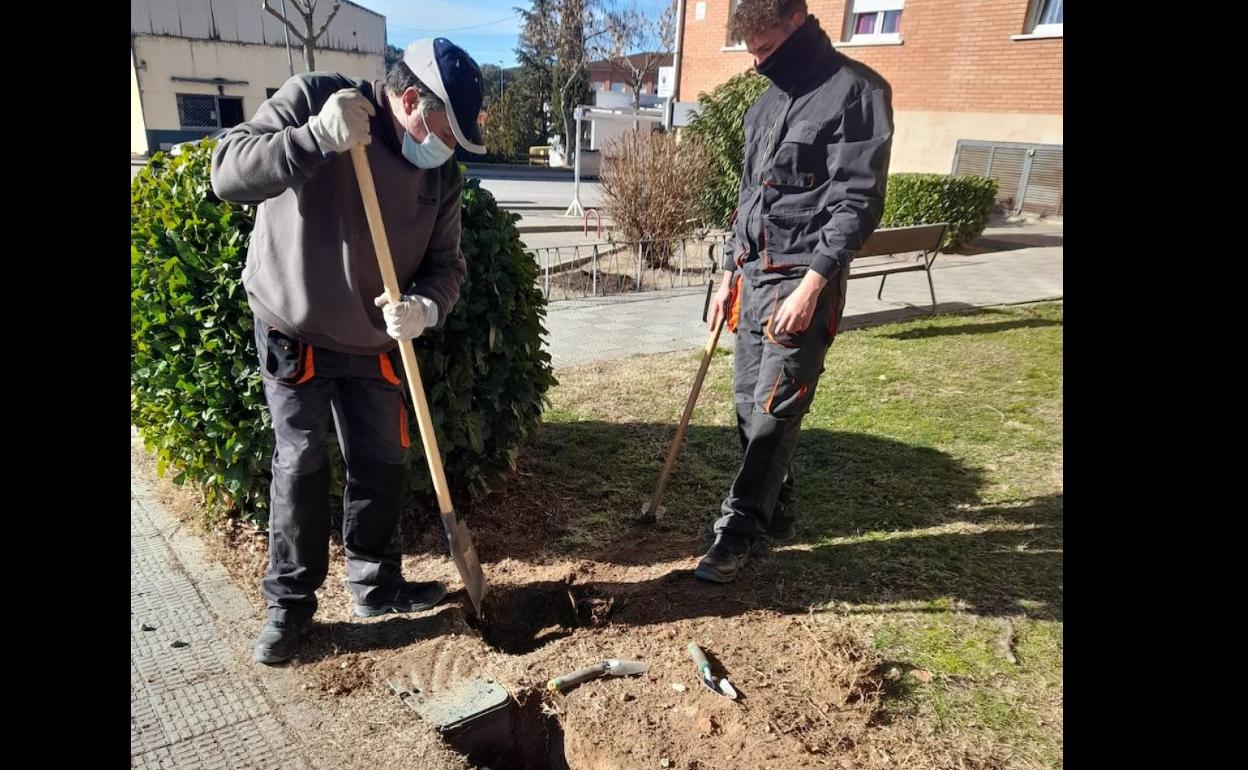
(451, 73)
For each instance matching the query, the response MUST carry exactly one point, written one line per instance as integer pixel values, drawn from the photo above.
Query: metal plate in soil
(454, 706)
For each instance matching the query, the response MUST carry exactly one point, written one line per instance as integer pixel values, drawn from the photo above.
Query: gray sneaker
(407, 597)
(278, 641)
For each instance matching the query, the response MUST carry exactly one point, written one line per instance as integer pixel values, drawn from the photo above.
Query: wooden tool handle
(692, 401)
(699, 658)
(575, 678)
(428, 439)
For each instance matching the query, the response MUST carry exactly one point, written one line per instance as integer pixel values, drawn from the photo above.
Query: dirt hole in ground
(520, 619)
(526, 736)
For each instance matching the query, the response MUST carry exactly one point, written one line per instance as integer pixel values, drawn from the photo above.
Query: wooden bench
(539, 155)
(899, 250)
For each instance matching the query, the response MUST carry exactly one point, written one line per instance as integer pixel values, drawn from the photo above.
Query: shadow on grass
(582, 485)
(983, 328)
(992, 573)
(331, 638)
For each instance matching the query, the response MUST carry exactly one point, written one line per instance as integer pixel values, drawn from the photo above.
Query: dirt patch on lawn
(811, 691)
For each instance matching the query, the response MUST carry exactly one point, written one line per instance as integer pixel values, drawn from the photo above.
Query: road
(517, 189)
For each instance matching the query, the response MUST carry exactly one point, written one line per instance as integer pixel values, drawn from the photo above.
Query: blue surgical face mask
(430, 153)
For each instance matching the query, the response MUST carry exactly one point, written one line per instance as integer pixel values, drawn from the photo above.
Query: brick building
(977, 84)
(616, 74)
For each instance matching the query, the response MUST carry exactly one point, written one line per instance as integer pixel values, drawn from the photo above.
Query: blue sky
(486, 29)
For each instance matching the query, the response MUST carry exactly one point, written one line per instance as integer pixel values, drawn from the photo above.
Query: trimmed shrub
(965, 202)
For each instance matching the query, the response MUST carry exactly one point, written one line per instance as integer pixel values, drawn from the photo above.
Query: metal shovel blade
(652, 515)
(465, 556)
(625, 667)
(606, 668)
(720, 686)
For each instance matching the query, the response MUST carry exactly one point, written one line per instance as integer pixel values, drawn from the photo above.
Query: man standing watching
(817, 145)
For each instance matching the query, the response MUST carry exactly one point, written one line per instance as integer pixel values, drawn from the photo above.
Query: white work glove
(408, 319)
(343, 122)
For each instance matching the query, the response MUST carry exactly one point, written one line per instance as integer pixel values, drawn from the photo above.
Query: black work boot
(727, 556)
(781, 529)
(278, 641)
(404, 597)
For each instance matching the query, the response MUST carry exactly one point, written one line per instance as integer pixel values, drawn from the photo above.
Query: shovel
(462, 550)
(606, 668)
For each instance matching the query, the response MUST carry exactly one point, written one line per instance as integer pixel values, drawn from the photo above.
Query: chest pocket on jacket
(799, 162)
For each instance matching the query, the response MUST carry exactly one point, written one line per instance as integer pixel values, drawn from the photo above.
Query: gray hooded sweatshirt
(311, 269)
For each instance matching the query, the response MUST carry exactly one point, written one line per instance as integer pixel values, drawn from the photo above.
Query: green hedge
(965, 202)
(719, 126)
(195, 391)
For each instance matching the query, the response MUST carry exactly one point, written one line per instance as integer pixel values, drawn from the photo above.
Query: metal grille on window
(196, 111)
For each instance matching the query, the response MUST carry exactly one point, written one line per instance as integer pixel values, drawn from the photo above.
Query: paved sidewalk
(193, 704)
(1015, 271)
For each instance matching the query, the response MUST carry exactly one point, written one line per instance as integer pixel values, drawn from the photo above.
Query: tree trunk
(309, 45)
(569, 123)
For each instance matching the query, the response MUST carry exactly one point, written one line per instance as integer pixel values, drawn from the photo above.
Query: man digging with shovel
(817, 146)
(326, 338)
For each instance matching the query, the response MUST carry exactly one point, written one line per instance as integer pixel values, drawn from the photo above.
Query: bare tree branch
(332, 13)
(633, 29)
(278, 15)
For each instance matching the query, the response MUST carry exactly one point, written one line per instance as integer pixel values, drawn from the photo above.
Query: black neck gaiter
(793, 62)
